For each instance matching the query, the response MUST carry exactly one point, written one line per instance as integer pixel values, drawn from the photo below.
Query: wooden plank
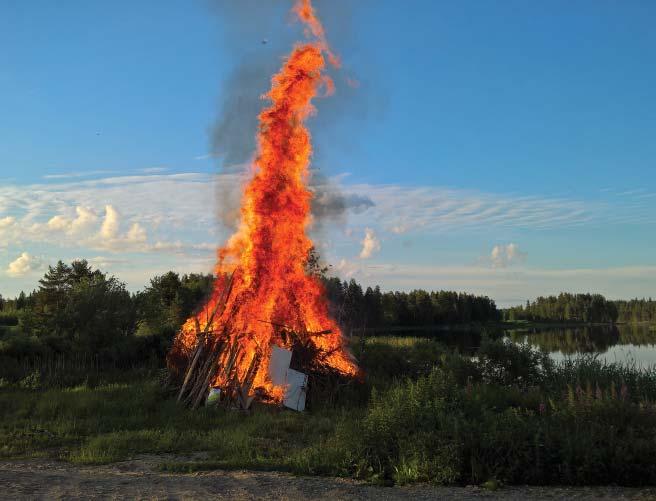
(192, 366)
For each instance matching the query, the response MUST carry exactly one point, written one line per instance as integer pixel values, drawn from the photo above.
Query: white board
(296, 390)
(278, 365)
(294, 382)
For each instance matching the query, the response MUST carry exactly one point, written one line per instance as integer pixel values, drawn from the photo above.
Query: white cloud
(22, 265)
(110, 225)
(80, 231)
(509, 286)
(399, 229)
(185, 206)
(58, 223)
(346, 269)
(105, 262)
(506, 255)
(136, 234)
(179, 246)
(175, 215)
(85, 219)
(6, 222)
(370, 244)
(405, 209)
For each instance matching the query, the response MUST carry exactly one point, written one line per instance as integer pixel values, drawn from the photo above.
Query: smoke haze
(259, 34)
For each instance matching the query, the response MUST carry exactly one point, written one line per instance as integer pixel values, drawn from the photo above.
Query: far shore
(487, 326)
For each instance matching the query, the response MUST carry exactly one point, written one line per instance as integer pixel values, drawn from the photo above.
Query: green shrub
(8, 318)
(31, 382)
(504, 417)
(508, 364)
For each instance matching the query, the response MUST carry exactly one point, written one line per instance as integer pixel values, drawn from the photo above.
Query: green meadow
(424, 413)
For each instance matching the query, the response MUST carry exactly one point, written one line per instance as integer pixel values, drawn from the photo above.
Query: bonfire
(265, 332)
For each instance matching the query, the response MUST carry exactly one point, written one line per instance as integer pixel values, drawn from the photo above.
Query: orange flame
(268, 253)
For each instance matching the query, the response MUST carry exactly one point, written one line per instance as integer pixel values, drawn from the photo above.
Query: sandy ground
(138, 479)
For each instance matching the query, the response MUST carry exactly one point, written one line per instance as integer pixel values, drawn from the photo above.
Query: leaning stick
(204, 387)
(223, 300)
(192, 366)
(205, 372)
(202, 337)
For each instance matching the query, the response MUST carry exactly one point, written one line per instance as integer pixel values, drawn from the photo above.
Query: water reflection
(634, 344)
(621, 343)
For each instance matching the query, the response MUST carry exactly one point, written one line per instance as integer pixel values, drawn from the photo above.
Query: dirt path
(138, 479)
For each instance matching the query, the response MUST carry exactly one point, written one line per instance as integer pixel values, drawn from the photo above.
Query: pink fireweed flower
(624, 391)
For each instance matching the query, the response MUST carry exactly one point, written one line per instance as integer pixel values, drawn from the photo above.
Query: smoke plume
(258, 35)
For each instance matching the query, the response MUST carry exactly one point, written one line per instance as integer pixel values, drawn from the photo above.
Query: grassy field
(424, 414)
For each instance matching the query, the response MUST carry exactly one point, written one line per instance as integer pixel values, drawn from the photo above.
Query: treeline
(636, 310)
(356, 308)
(566, 307)
(583, 308)
(80, 310)
(84, 313)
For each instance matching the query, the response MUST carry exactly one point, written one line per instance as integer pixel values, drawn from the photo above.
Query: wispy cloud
(154, 170)
(506, 285)
(164, 206)
(74, 175)
(631, 192)
(206, 156)
(401, 209)
(176, 214)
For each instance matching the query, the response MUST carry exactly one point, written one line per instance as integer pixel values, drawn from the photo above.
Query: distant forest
(356, 308)
(583, 308)
(80, 310)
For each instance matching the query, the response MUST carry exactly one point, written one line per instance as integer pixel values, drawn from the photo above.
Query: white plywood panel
(278, 365)
(296, 390)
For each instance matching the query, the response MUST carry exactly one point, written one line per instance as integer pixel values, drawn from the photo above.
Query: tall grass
(424, 414)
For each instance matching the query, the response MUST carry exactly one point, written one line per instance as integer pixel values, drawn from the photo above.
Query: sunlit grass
(424, 413)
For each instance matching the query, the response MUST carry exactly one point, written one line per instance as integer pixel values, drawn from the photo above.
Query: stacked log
(218, 354)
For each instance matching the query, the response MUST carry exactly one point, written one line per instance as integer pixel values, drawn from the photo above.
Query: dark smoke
(233, 134)
(330, 204)
(246, 25)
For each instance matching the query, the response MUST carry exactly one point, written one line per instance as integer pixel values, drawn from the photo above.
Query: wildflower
(542, 408)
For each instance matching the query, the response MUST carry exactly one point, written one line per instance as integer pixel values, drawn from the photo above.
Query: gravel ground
(138, 479)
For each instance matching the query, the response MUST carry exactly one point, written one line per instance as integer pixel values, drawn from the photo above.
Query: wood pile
(216, 356)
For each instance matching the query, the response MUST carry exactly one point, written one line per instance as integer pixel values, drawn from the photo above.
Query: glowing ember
(263, 263)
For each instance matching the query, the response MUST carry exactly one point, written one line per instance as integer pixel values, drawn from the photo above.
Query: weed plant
(424, 413)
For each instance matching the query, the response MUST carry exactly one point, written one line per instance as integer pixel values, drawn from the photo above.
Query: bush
(507, 416)
(507, 364)
(31, 382)
(8, 318)
(516, 418)
(433, 430)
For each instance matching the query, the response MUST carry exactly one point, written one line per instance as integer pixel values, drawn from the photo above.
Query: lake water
(626, 343)
(630, 344)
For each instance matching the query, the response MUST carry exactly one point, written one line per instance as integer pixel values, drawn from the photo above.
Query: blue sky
(504, 148)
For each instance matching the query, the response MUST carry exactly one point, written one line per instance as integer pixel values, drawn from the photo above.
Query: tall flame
(266, 256)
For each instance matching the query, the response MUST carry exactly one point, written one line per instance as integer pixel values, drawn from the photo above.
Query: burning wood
(217, 356)
(263, 297)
